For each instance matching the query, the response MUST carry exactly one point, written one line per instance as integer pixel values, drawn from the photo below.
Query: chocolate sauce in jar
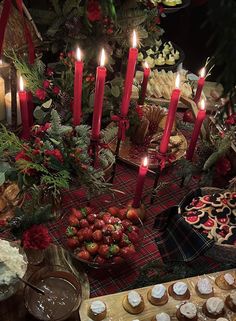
(60, 299)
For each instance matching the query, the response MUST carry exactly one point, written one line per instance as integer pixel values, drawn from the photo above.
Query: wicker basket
(219, 252)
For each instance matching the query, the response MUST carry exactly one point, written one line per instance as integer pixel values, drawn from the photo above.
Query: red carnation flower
(56, 90)
(231, 120)
(94, 11)
(41, 94)
(223, 166)
(46, 84)
(36, 237)
(22, 155)
(56, 153)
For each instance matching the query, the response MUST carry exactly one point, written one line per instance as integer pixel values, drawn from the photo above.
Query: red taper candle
(196, 131)
(200, 84)
(98, 98)
(23, 97)
(133, 55)
(170, 117)
(140, 183)
(78, 77)
(146, 73)
(30, 108)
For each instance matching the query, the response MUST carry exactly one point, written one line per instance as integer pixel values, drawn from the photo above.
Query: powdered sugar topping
(134, 298)
(162, 317)
(180, 288)
(215, 305)
(189, 310)
(97, 307)
(204, 286)
(229, 278)
(158, 291)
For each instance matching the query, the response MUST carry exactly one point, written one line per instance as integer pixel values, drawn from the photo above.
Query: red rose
(56, 153)
(36, 237)
(223, 166)
(94, 10)
(41, 94)
(49, 72)
(22, 155)
(231, 120)
(46, 84)
(36, 151)
(56, 90)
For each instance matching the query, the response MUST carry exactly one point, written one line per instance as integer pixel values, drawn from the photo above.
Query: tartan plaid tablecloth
(110, 281)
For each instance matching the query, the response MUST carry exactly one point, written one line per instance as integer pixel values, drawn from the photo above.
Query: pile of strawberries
(104, 238)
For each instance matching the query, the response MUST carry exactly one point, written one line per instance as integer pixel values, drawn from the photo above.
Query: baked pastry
(179, 291)
(187, 311)
(170, 60)
(158, 295)
(222, 319)
(226, 281)
(133, 302)
(214, 308)
(230, 301)
(204, 288)
(161, 317)
(97, 310)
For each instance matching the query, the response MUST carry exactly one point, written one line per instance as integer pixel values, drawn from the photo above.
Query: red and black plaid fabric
(177, 240)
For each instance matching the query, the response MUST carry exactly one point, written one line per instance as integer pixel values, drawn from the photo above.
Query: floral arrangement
(36, 237)
(56, 157)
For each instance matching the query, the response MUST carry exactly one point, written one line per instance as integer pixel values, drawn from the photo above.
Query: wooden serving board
(116, 312)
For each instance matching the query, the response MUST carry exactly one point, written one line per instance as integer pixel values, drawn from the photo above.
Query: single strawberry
(91, 218)
(107, 218)
(132, 215)
(76, 213)
(73, 220)
(71, 231)
(72, 243)
(97, 235)
(126, 223)
(114, 249)
(124, 240)
(83, 223)
(114, 211)
(99, 224)
(122, 213)
(107, 239)
(84, 255)
(92, 248)
(117, 235)
(99, 260)
(127, 251)
(103, 250)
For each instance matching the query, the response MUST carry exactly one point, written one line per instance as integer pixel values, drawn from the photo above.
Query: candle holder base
(135, 211)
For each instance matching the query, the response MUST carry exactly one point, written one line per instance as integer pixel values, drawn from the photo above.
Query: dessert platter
(146, 138)
(213, 214)
(204, 297)
(164, 55)
(172, 6)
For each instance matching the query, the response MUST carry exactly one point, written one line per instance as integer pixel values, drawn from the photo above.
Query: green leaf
(68, 6)
(47, 104)
(2, 178)
(115, 91)
(39, 114)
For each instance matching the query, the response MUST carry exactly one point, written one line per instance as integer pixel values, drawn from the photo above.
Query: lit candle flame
(134, 39)
(78, 54)
(177, 81)
(102, 60)
(145, 161)
(203, 72)
(202, 104)
(21, 84)
(146, 65)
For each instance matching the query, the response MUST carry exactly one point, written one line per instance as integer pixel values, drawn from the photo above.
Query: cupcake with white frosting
(158, 295)
(97, 310)
(133, 302)
(161, 317)
(226, 281)
(204, 288)
(230, 301)
(214, 308)
(187, 312)
(179, 291)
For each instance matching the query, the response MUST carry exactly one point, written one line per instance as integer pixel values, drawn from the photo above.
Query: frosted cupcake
(97, 310)
(179, 291)
(133, 302)
(158, 295)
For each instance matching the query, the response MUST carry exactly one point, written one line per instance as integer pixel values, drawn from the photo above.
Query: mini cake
(97, 310)
(230, 301)
(158, 295)
(204, 288)
(133, 302)
(214, 308)
(179, 291)
(161, 317)
(226, 281)
(170, 60)
(187, 311)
